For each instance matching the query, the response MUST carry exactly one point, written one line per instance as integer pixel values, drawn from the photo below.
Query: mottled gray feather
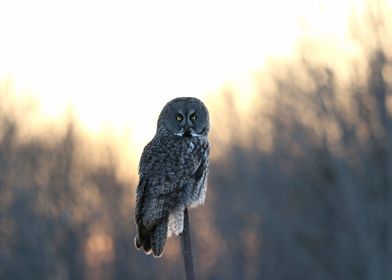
(173, 173)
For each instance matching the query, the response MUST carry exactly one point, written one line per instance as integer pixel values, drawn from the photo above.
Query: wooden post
(186, 247)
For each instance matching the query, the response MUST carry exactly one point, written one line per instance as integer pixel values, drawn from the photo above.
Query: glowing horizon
(116, 63)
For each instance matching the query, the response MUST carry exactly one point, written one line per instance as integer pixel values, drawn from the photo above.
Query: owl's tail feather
(158, 238)
(143, 239)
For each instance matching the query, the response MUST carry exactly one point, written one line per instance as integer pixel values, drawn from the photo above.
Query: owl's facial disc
(185, 117)
(187, 123)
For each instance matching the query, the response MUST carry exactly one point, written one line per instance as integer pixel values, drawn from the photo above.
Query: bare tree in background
(323, 194)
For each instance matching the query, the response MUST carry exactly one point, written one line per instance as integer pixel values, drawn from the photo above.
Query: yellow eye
(179, 118)
(193, 117)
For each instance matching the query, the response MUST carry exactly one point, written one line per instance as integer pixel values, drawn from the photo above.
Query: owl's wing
(158, 186)
(158, 201)
(139, 196)
(154, 200)
(143, 236)
(167, 169)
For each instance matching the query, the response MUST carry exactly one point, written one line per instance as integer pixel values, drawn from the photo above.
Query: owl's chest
(173, 153)
(183, 151)
(179, 146)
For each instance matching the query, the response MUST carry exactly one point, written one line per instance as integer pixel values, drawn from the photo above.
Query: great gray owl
(173, 173)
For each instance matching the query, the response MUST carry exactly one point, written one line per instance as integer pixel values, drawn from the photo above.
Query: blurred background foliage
(299, 186)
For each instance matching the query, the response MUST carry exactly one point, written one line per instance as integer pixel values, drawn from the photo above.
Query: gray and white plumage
(173, 173)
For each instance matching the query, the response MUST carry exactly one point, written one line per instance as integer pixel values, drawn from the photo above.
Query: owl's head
(184, 116)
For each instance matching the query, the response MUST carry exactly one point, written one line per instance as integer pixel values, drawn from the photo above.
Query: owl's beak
(187, 131)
